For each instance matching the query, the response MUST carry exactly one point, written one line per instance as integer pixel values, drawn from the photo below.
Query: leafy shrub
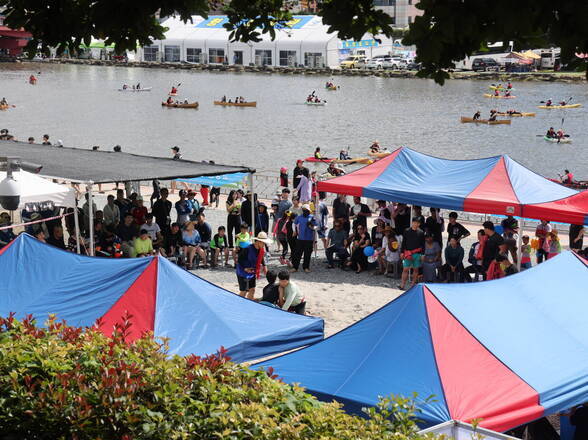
(62, 382)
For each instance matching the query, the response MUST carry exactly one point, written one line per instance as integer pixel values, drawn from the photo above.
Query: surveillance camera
(9, 194)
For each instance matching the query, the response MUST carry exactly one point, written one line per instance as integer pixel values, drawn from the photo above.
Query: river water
(81, 106)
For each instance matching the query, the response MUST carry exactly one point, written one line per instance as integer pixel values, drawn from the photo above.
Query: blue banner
(217, 22)
(350, 44)
(233, 180)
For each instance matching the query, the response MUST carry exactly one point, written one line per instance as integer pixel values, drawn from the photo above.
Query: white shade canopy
(35, 189)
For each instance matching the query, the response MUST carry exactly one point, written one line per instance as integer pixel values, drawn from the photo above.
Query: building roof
(84, 165)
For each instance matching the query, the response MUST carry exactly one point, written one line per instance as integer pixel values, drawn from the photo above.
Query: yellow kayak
(488, 95)
(236, 104)
(362, 160)
(379, 155)
(465, 119)
(561, 106)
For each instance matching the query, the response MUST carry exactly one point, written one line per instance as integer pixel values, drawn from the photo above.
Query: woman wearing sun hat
(249, 263)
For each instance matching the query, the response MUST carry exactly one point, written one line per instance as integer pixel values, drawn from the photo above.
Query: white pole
(90, 217)
(316, 216)
(77, 227)
(252, 204)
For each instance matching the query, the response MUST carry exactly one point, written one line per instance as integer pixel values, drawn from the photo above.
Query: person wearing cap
(143, 244)
(304, 227)
(183, 208)
(298, 172)
(250, 262)
(413, 245)
(176, 153)
(284, 177)
(139, 211)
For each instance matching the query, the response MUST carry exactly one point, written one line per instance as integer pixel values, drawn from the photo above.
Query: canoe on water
(465, 119)
(361, 160)
(144, 89)
(4, 107)
(515, 115)
(316, 103)
(236, 104)
(561, 106)
(499, 88)
(558, 141)
(173, 94)
(332, 88)
(488, 95)
(379, 155)
(315, 160)
(190, 105)
(578, 184)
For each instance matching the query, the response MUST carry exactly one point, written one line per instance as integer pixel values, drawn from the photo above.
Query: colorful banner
(350, 44)
(233, 180)
(217, 22)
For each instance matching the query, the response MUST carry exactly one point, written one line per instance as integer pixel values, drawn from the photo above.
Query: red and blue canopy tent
(506, 351)
(493, 185)
(197, 316)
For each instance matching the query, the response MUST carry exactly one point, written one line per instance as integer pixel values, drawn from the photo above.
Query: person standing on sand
(249, 264)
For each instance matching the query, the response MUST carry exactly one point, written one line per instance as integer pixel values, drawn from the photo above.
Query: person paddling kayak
(548, 103)
(477, 115)
(174, 91)
(497, 92)
(317, 153)
(551, 133)
(493, 114)
(32, 79)
(567, 178)
(509, 85)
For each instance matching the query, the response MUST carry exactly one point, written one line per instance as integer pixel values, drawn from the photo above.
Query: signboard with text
(217, 22)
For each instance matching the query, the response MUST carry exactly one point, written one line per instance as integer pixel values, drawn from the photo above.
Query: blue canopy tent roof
(196, 315)
(506, 351)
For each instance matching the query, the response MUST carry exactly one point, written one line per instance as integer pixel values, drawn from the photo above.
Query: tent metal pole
(91, 217)
(316, 216)
(77, 227)
(252, 205)
(519, 241)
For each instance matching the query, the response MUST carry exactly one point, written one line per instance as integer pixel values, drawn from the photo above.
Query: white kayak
(316, 103)
(565, 140)
(144, 89)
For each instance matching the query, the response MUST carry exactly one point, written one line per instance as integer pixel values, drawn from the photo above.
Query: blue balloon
(368, 251)
(244, 244)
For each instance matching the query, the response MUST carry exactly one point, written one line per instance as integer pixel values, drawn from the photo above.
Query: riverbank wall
(569, 77)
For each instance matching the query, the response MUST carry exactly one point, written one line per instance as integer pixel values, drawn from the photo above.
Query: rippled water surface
(81, 106)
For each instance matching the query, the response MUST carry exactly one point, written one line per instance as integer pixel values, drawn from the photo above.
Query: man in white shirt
(153, 230)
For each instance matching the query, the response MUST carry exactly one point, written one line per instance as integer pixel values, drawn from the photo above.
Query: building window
(150, 53)
(194, 55)
(172, 54)
(288, 58)
(263, 57)
(238, 57)
(216, 56)
(314, 59)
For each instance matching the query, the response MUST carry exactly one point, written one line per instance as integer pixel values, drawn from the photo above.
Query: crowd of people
(390, 239)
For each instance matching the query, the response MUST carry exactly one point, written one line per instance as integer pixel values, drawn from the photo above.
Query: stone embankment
(483, 76)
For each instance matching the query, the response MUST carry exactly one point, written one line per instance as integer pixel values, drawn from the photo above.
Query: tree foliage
(60, 382)
(448, 30)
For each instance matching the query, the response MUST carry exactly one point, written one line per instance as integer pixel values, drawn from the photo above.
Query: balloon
(244, 244)
(368, 251)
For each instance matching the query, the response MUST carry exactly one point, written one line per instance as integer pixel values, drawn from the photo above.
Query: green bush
(62, 382)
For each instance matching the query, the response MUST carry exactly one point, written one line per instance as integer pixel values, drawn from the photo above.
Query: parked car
(353, 61)
(395, 63)
(377, 62)
(413, 66)
(485, 65)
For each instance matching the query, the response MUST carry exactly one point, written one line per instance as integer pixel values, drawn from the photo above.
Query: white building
(304, 42)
